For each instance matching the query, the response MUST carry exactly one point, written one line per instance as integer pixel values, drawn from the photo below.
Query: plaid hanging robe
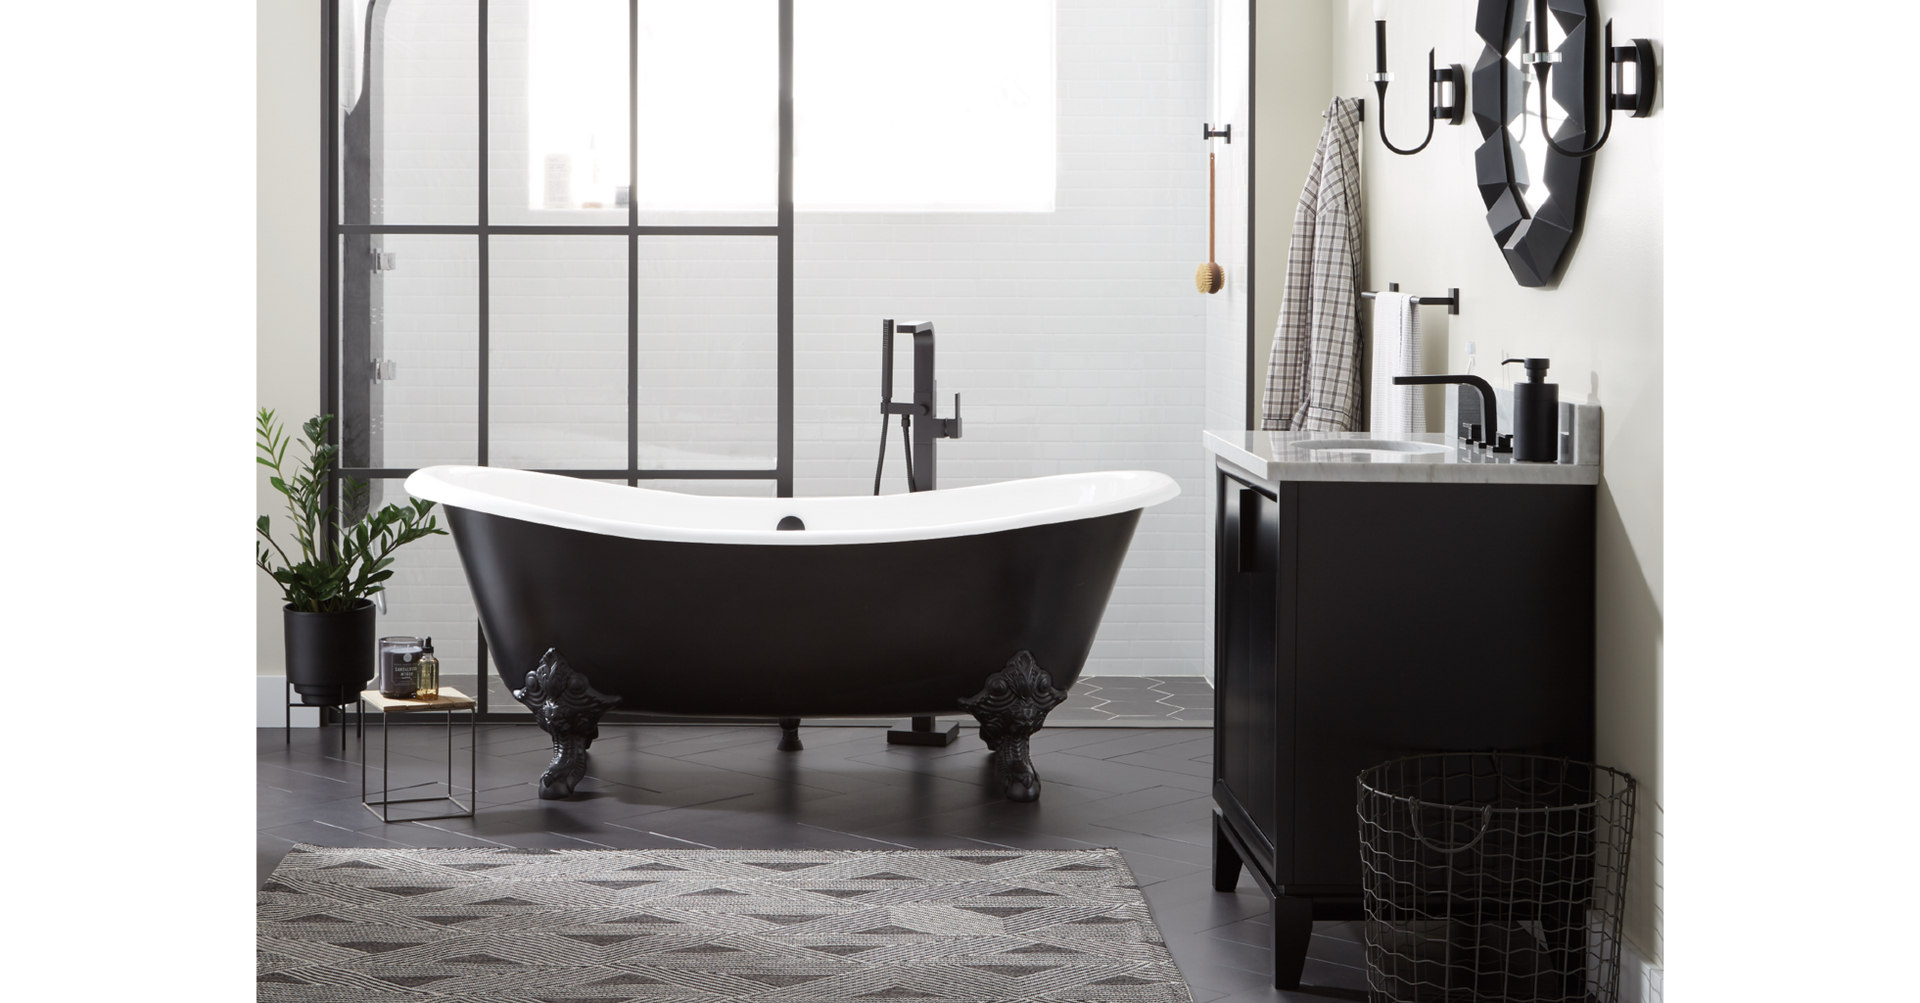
(1313, 376)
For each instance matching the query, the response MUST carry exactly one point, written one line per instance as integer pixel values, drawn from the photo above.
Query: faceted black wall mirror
(1534, 194)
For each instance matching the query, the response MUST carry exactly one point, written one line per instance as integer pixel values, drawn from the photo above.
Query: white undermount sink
(1370, 445)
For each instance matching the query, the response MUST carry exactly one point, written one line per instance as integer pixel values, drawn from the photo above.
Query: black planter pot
(330, 656)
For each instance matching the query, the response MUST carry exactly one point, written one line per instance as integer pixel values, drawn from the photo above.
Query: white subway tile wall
(557, 375)
(728, 488)
(1227, 310)
(428, 129)
(707, 324)
(1075, 337)
(429, 323)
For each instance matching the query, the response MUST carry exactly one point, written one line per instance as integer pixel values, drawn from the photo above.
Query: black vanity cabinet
(1360, 621)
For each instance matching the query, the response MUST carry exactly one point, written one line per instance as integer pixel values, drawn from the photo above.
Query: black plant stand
(294, 701)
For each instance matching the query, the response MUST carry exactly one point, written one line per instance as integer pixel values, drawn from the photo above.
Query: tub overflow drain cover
(791, 522)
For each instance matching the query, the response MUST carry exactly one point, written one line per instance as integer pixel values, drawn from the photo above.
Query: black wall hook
(1359, 108)
(1207, 131)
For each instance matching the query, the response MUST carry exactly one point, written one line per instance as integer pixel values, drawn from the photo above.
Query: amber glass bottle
(428, 688)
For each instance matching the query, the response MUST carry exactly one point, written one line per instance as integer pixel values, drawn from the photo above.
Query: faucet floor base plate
(939, 737)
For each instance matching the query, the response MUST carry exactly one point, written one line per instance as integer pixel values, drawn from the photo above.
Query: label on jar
(400, 675)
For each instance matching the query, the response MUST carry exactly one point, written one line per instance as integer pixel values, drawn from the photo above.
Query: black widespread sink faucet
(921, 467)
(1489, 409)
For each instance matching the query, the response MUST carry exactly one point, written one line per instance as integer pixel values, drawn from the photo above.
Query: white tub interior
(645, 514)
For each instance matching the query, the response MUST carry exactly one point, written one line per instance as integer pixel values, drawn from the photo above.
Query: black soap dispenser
(1536, 415)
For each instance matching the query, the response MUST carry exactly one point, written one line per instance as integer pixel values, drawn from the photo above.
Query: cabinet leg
(1292, 920)
(1226, 860)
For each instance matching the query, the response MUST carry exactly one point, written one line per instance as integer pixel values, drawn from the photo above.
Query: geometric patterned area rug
(709, 925)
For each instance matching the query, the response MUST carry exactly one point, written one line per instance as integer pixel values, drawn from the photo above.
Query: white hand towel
(1396, 411)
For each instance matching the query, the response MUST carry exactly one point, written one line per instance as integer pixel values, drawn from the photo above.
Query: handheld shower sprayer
(920, 471)
(886, 401)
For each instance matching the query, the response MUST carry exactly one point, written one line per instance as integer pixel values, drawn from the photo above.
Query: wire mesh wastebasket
(1493, 877)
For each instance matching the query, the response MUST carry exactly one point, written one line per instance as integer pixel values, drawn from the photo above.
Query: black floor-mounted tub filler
(980, 599)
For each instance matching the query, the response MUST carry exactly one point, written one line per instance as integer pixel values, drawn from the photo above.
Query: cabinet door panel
(1257, 520)
(1233, 702)
(1247, 560)
(1414, 636)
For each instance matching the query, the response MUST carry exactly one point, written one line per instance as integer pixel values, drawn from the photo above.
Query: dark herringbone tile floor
(1143, 791)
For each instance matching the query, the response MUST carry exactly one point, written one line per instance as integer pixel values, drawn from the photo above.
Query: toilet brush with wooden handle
(1210, 277)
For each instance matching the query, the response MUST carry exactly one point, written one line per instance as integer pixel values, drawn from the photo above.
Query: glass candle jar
(399, 667)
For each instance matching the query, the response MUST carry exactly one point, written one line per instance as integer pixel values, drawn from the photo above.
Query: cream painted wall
(1601, 326)
(288, 254)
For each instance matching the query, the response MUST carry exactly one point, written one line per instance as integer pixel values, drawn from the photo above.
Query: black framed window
(499, 291)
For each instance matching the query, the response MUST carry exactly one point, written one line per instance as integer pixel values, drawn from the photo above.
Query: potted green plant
(329, 590)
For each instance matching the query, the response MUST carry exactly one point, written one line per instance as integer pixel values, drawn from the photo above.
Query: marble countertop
(1316, 456)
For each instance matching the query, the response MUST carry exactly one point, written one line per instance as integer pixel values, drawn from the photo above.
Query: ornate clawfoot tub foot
(566, 706)
(1010, 709)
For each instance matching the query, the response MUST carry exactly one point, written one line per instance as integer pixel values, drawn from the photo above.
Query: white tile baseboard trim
(270, 705)
(1640, 982)
(271, 696)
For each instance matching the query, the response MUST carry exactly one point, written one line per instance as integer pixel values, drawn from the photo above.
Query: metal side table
(449, 701)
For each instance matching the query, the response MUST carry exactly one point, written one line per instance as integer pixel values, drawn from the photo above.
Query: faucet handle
(950, 427)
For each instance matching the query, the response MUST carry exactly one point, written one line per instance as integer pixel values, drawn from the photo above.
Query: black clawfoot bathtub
(982, 599)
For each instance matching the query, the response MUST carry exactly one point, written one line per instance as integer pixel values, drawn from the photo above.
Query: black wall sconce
(1638, 104)
(1454, 111)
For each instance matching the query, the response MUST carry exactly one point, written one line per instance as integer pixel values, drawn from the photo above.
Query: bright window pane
(577, 103)
(924, 106)
(898, 106)
(709, 107)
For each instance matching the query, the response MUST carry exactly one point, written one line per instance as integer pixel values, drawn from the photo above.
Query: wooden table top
(449, 699)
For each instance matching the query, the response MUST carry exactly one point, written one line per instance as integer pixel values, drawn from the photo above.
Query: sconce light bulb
(1380, 45)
